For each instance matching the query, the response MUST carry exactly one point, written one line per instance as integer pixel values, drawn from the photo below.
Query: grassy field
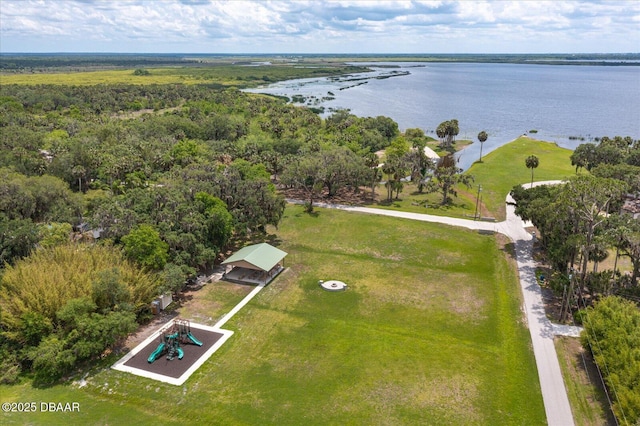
(505, 167)
(216, 74)
(499, 171)
(428, 332)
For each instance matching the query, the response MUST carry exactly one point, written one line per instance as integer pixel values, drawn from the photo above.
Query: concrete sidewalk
(542, 331)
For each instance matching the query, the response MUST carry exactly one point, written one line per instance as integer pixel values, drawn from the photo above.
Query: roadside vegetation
(587, 395)
(582, 222)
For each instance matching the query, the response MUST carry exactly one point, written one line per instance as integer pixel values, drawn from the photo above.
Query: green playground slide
(180, 353)
(194, 340)
(156, 353)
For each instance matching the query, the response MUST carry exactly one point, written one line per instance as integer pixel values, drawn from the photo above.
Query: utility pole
(475, 215)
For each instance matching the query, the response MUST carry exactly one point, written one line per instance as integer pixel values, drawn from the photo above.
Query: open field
(220, 75)
(428, 332)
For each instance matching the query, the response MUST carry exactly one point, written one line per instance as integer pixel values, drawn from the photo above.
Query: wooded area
(164, 178)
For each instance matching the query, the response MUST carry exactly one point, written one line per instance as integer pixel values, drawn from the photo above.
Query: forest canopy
(129, 190)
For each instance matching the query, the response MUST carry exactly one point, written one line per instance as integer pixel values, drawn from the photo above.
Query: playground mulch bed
(176, 367)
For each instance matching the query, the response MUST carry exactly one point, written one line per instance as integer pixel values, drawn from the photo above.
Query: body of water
(560, 102)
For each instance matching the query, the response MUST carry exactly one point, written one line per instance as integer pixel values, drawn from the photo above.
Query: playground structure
(178, 333)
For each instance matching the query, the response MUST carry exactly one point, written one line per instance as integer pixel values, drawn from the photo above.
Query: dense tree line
(581, 223)
(21, 62)
(118, 171)
(612, 333)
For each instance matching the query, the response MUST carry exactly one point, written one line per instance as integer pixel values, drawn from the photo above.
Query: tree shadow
(313, 213)
(274, 240)
(510, 250)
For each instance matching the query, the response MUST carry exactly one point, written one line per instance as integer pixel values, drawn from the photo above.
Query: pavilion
(256, 264)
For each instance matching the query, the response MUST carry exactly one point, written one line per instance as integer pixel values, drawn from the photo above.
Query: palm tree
(79, 172)
(482, 137)
(531, 162)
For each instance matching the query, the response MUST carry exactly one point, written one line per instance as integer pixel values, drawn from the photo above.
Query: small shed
(255, 264)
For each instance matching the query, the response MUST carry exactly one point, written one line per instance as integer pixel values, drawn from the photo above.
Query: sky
(314, 26)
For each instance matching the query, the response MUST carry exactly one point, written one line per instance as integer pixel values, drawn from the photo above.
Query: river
(566, 104)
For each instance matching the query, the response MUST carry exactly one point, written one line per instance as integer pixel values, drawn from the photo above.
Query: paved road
(554, 393)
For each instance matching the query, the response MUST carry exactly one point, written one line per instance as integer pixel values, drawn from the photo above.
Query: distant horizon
(318, 54)
(316, 27)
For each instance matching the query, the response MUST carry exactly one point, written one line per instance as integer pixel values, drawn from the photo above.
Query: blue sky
(361, 26)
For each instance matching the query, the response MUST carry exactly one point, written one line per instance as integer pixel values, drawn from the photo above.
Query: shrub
(612, 333)
(66, 304)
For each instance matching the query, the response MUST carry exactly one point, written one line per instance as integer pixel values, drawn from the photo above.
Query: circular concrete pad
(333, 285)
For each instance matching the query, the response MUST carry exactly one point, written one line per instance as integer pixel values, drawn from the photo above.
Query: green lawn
(505, 167)
(429, 332)
(499, 171)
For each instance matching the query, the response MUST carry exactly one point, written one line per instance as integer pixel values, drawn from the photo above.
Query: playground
(174, 351)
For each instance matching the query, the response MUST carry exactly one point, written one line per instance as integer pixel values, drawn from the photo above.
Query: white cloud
(334, 26)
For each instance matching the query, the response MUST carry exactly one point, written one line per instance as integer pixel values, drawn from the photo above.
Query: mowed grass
(505, 167)
(499, 171)
(429, 332)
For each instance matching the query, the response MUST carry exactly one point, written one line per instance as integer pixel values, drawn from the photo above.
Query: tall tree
(144, 246)
(396, 166)
(373, 162)
(584, 156)
(532, 162)
(447, 132)
(445, 178)
(482, 137)
(587, 199)
(306, 175)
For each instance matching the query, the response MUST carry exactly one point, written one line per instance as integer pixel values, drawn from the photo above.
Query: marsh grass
(220, 75)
